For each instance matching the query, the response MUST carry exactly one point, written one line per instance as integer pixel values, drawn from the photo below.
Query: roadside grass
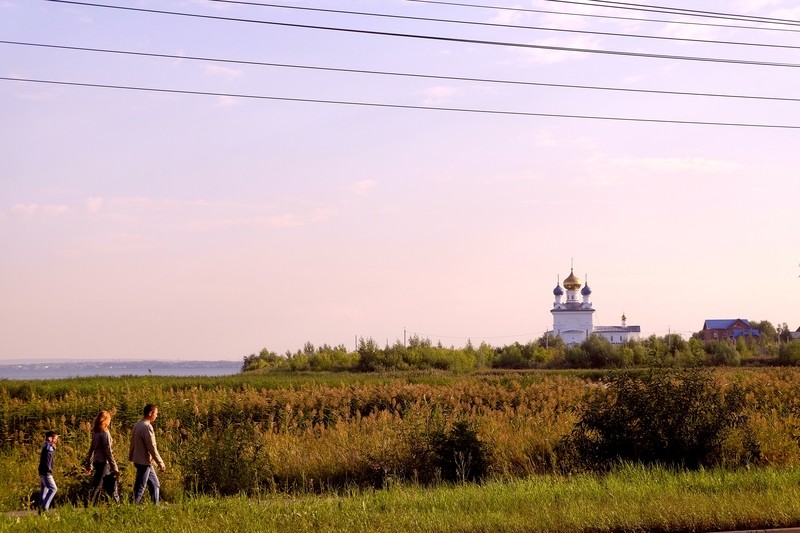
(630, 499)
(344, 452)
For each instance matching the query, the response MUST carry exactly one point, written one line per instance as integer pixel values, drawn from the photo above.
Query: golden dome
(572, 283)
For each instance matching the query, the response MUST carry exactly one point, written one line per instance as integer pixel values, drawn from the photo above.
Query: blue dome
(558, 291)
(586, 291)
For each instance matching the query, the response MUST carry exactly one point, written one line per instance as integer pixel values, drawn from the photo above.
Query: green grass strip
(632, 499)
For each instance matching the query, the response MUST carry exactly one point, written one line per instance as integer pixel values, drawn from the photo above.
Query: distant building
(573, 317)
(795, 334)
(731, 328)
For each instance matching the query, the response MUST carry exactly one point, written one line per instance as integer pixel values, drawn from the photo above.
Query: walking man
(47, 484)
(143, 453)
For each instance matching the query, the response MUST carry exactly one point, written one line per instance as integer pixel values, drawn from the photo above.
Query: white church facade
(573, 316)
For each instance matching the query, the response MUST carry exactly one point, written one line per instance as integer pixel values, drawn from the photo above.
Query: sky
(199, 222)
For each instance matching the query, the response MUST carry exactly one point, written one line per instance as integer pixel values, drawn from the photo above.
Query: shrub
(722, 353)
(675, 418)
(601, 353)
(789, 353)
(226, 460)
(264, 359)
(459, 455)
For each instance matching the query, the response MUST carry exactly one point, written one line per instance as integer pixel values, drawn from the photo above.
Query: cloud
(280, 220)
(685, 31)
(675, 164)
(118, 243)
(205, 4)
(509, 17)
(40, 209)
(506, 178)
(293, 219)
(227, 101)
(224, 72)
(614, 172)
(94, 204)
(28, 92)
(363, 186)
(438, 95)
(755, 6)
(789, 13)
(546, 139)
(170, 214)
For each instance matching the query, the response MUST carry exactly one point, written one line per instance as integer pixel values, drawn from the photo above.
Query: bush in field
(723, 353)
(226, 460)
(672, 418)
(459, 455)
(789, 353)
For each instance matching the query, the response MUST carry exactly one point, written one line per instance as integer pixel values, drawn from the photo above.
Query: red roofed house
(717, 330)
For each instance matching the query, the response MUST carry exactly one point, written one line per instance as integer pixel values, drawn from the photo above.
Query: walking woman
(101, 459)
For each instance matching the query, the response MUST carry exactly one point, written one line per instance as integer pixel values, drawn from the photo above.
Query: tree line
(773, 347)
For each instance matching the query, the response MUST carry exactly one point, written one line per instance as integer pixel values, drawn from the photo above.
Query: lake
(73, 369)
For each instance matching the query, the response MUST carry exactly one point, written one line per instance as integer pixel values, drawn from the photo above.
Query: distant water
(74, 369)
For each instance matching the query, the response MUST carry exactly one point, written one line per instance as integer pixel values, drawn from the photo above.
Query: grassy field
(632, 499)
(358, 452)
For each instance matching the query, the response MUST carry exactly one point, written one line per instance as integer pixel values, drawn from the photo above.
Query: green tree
(722, 353)
(264, 359)
(678, 418)
(789, 353)
(766, 329)
(369, 356)
(601, 353)
(784, 333)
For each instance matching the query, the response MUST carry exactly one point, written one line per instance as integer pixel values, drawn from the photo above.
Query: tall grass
(629, 499)
(324, 433)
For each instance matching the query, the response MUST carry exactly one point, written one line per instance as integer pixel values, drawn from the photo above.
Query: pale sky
(158, 225)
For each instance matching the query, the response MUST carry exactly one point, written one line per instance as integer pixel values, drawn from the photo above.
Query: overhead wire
(507, 26)
(690, 12)
(598, 16)
(672, 11)
(373, 104)
(396, 74)
(401, 106)
(440, 38)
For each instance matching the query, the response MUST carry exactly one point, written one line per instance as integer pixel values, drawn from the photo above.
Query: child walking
(46, 482)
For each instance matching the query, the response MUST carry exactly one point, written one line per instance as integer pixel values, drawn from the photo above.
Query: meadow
(466, 452)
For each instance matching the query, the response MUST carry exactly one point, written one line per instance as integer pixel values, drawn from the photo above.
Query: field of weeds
(262, 435)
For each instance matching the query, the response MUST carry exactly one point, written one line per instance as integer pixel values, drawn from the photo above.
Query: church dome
(586, 291)
(558, 291)
(572, 283)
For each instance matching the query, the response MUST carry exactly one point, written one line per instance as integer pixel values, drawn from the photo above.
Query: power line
(691, 12)
(400, 106)
(594, 15)
(440, 38)
(399, 74)
(683, 12)
(508, 26)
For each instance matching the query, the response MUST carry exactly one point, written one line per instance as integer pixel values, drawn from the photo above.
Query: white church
(573, 317)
